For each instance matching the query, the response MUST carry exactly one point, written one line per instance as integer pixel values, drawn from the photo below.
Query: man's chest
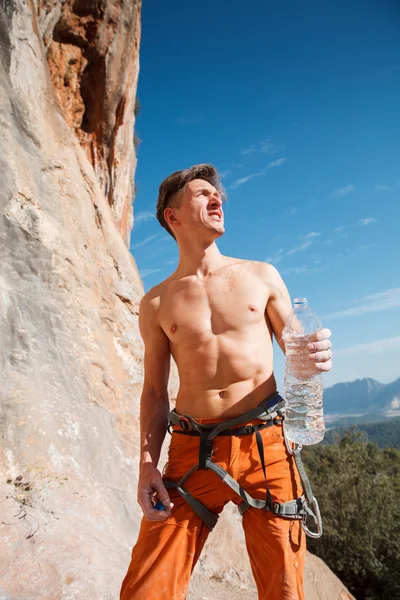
(213, 306)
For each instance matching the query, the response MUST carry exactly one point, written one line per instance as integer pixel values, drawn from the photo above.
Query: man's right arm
(154, 408)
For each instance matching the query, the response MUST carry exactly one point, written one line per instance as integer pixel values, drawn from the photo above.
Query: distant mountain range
(363, 396)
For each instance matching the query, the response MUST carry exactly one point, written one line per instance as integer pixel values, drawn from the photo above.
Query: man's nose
(215, 199)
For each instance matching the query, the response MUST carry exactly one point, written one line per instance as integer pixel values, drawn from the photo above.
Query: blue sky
(297, 104)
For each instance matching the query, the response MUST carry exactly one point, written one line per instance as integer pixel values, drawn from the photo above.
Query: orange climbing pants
(166, 552)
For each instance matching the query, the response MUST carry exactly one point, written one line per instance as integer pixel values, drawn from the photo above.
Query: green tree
(357, 485)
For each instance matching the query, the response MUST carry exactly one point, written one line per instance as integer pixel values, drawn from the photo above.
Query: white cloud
(304, 270)
(145, 241)
(244, 180)
(291, 212)
(382, 188)
(249, 150)
(303, 246)
(296, 270)
(143, 216)
(266, 147)
(280, 254)
(340, 192)
(364, 248)
(367, 221)
(376, 347)
(340, 228)
(277, 257)
(312, 234)
(247, 178)
(374, 303)
(276, 163)
(146, 272)
(377, 359)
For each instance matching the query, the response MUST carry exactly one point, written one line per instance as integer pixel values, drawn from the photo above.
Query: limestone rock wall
(71, 354)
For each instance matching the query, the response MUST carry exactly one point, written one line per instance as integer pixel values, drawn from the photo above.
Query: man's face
(200, 208)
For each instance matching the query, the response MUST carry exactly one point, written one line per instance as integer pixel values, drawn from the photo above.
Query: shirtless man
(216, 315)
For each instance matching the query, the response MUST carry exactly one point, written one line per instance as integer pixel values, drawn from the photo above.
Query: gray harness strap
(268, 411)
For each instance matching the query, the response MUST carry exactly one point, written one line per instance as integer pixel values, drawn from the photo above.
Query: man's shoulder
(152, 298)
(264, 270)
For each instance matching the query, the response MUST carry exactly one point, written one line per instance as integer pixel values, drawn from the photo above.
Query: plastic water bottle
(304, 420)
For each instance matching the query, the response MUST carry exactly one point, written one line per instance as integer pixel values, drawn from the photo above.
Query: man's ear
(169, 215)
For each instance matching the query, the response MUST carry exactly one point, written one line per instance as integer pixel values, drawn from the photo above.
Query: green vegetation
(137, 108)
(358, 489)
(136, 139)
(386, 434)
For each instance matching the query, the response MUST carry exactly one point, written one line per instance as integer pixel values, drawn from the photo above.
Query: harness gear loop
(271, 412)
(310, 499)
(316, 515)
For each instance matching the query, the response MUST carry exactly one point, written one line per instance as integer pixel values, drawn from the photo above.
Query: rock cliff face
(92, 50)
(71, 354)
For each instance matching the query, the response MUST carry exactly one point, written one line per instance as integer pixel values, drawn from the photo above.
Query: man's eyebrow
(201, 190)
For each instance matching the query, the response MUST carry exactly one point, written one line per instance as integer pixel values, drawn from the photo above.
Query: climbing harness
(271, 412)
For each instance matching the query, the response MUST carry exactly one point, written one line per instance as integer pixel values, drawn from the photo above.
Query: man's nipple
(174, 328)
(253, 308)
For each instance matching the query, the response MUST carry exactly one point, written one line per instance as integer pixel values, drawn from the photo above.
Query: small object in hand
(159, 506)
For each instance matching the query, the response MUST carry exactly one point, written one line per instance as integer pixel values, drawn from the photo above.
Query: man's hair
(174, 185)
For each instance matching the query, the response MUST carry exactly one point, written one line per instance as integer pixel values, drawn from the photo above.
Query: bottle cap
(300, 301)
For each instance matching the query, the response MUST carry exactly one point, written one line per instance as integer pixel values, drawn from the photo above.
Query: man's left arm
(278, 308)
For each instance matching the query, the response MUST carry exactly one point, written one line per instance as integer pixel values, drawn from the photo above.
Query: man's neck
(199, 259)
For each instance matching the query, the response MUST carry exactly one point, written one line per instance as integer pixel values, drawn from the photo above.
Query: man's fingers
(317, 346)
(321, 356)
(162, 494)
(324, 366)
(145, 499)
(323, 334)
(151, 490)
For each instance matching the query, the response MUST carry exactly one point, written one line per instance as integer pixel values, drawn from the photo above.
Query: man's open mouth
(215, 215)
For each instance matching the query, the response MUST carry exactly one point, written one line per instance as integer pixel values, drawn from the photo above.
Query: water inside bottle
(304, 422)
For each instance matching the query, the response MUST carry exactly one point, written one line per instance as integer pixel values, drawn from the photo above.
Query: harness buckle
(278, 420)
(276, 508)
(184, 423)
(281, 414)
